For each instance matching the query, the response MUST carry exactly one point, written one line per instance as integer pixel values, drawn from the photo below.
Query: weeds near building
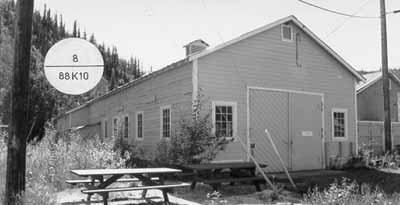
(192, 142)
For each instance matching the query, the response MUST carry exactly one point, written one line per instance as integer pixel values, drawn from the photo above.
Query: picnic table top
(222, 165)
(97, 172)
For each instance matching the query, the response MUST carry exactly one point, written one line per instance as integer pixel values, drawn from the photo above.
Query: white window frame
(234, 115)
(123, 126)
(291, 33)
(105, 127)
(161, 121)
(137, 130)
(113, 128)
(346, 136)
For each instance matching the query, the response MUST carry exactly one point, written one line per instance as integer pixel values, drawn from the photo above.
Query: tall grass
(49, 163)
(349, 192)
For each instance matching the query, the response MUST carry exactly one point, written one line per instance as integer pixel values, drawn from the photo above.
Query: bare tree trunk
(18, 127)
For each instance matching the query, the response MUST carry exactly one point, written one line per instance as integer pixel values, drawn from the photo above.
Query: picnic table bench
(215, 174)
(98, 181)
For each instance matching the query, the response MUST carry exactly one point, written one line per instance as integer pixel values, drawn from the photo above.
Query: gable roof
(223, 45)
(131, 83)
(276, 23)
(373, 77)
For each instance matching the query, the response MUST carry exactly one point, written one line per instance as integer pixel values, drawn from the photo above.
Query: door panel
(305, 126)
(269, 110)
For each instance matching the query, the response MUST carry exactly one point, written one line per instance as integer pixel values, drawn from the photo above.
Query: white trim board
(287, 91)
(377, 122)
(356, 115)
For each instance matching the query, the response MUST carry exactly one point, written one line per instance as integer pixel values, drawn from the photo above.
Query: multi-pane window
(126, 127)
(224, 121)
(139, 125)
(105, 131)
(166, 122)
(339, 123)
(115, 127)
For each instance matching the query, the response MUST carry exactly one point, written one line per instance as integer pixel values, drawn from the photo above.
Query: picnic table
(215, 174)
(98, 181)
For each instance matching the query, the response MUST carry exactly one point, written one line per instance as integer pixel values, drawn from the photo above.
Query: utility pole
(385, 79)
(18, 127)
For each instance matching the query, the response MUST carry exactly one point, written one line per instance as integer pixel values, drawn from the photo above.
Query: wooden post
(18, 127)
(385, 79)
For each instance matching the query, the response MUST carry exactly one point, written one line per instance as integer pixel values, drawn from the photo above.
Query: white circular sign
(73, 66)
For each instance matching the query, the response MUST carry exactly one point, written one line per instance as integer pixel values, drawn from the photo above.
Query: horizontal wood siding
(170, 88)
(264, 60)
(370, 102)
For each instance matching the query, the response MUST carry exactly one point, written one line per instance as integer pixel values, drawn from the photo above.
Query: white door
(295, 123)
(306, 131)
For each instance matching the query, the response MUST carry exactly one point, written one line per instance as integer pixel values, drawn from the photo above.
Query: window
(165, 117)
(115, 125)
(139, 125)
(126, 126)
(390, 84)
(224, 119)
(287, 33)
(339, 124)
(105, 131)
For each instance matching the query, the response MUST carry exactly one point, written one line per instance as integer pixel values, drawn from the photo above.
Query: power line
(338, 12)
(345, 21)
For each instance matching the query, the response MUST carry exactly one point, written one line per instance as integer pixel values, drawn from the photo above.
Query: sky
(155, 31)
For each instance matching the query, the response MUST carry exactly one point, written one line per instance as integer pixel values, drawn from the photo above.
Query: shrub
(373, 159)
(192, 142)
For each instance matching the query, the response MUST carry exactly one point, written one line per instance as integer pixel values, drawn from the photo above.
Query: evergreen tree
(92, 39)
(74, 30)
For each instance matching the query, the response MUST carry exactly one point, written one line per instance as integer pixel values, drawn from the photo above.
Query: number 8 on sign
(75, 58)
(73, 66)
